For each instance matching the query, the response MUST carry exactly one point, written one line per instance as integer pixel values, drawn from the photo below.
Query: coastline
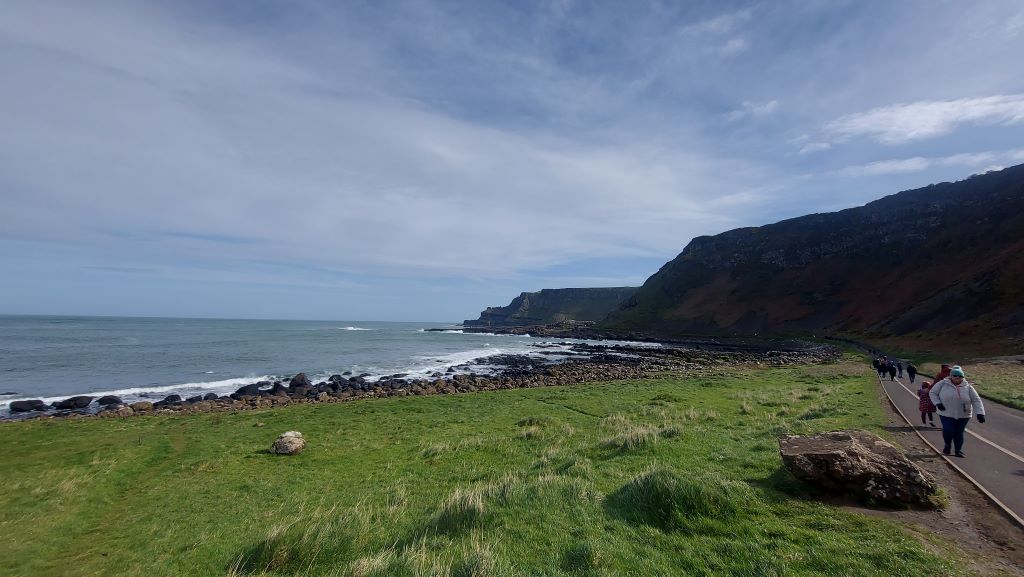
(587, 363)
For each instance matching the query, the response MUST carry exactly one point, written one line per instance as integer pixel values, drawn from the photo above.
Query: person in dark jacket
(892, 371)
(899, 368)
(911, 371)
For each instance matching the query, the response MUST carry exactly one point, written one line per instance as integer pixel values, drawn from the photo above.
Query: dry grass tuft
(463, 509)
(633, 437)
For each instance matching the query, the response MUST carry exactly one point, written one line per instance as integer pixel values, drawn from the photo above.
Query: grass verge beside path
(672, 476)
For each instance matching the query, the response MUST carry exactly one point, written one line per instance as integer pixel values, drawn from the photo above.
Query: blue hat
(956, 372)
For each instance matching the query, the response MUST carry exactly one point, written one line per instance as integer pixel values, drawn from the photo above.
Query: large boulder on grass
(860, 464)
(290, 443)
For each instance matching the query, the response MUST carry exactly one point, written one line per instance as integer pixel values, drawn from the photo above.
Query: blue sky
(423, 160)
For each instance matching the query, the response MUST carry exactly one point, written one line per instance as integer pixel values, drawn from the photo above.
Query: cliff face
(941, 262)
(554, 305)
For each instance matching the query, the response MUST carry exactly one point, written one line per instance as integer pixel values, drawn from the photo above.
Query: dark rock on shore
(109, 400)
(29, 405)
(300, 380)
(169, 400)
(78, 402)
(248, 390)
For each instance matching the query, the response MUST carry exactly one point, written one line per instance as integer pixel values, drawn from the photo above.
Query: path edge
(995, 500)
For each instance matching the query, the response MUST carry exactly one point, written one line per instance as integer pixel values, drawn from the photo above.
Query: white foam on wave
(476, 334)
(428, 364)
(137, 393)
(353, 329)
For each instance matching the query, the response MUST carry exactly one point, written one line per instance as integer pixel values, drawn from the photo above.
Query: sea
(55, 357)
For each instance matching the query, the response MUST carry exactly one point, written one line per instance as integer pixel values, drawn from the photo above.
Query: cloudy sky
(422, 160)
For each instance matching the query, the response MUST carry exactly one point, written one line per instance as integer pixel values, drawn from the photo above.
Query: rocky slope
(941, 263)
(550, 306)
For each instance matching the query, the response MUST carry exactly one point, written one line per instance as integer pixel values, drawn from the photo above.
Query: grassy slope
(546, 481)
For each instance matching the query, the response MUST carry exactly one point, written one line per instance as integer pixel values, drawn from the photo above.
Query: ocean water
(53, 358)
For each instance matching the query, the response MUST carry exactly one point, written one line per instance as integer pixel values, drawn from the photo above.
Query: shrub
(663, 499)
(477, 562)
(541, 421)
(531, 432)
(670, 431)
(582, 558)
(632, 438)
(575, 466)
(318, 540)
(463, 509)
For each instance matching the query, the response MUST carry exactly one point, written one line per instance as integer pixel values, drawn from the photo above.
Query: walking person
(911, 371)
(899, 368)
(957, 401)
(925, 404)
(892, 371)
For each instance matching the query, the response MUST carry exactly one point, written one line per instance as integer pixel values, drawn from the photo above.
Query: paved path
(994, 449)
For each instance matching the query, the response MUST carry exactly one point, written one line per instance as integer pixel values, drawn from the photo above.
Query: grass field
(672, 476)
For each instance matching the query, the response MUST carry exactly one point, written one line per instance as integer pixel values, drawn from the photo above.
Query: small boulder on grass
(289, 443)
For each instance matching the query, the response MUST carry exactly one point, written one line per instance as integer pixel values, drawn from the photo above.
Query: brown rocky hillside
(550, 306)
(936, 267)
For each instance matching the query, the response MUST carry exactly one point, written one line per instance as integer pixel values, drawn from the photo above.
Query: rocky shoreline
(585, 363)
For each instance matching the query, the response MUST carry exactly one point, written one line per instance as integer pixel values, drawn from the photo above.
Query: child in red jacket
(925, 404)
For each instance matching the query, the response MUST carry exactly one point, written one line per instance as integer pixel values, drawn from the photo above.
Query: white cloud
(734, 46)
(752, 110)
(915, 164)
(721, 24)
(925, 119)
(814, 147)
(340, 169)
(972, 160)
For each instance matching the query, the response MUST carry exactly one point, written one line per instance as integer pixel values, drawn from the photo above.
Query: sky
(423, 160)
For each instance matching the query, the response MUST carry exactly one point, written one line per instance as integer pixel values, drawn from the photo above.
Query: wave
(476, 334)
(353, 329)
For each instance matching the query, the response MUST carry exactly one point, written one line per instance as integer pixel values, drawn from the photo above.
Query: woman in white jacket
(956, 401)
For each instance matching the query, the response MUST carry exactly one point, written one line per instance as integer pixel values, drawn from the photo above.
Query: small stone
(289, 443)
(259, 424)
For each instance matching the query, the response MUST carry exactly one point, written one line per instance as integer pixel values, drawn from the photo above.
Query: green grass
(674, 476)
